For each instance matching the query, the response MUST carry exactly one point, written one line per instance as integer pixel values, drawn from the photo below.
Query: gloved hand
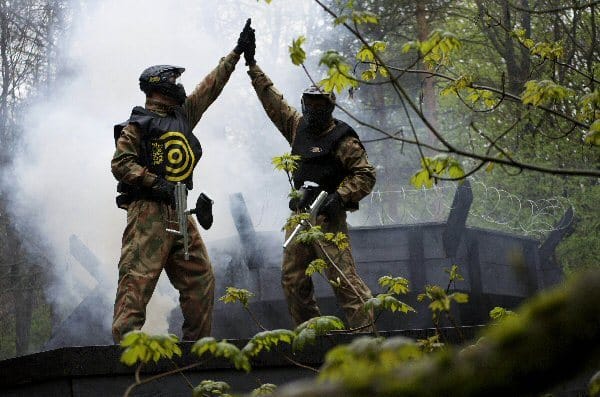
(246, 44)
(164, 190)
(332, 206)
(251, 49)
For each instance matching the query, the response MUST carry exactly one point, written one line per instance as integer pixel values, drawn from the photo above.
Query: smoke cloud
(60, 182)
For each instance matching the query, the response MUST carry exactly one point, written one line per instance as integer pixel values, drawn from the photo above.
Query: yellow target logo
(180, 159)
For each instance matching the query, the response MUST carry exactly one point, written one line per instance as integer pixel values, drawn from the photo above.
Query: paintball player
(333, 157)
(155, 148)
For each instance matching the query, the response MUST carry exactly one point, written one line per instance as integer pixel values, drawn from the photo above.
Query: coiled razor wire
(491, 207)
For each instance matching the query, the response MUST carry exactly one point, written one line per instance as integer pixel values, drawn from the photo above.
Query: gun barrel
(293, 235)
(180, 208)
(314, 210)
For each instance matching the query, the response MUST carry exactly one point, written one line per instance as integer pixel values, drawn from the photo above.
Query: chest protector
(317, 160)
(168, 148)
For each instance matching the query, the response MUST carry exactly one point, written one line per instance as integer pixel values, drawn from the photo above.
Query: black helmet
(316, 90)
(161, 78)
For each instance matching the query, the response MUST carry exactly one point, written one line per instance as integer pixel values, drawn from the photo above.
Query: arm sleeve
(361, 174)
(207, 91)
(285, 117)
(125, 165)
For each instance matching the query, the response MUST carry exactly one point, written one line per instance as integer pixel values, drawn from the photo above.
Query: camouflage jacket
(360, 177)
(125, 166)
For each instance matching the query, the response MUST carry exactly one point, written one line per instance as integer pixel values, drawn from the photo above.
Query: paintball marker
(203, 212)
(307, 192)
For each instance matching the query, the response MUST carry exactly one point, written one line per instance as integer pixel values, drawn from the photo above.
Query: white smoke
(61, 182)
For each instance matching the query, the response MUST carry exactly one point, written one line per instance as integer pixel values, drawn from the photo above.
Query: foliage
(498, 313)
(266, 340)
(233, 295)
(286, 162)
(440, 301)
(388, 302)
(316, 266)
(437, 49)
(434, 168)
(295, 220)
(310, 235)
(543, 92)
(480, 369)
(395, 285)
(210, 388)
(265, 389)
(297, 53)
(222, 349)
(141, 347)
(365, 358)
(339, 75)
(307, 332)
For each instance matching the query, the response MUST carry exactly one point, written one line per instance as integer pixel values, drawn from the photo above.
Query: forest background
(536, 141)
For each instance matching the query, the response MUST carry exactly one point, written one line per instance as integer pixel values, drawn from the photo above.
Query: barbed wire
(492, 207)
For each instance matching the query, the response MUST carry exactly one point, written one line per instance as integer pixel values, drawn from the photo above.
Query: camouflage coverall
(146, 246)
(358, 182)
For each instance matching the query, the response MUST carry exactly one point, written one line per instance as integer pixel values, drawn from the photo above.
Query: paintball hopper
(203, 211)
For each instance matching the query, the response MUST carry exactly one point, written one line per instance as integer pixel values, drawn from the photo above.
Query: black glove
(250, 50)
(164, 190)
(332, 206)
(246, 44)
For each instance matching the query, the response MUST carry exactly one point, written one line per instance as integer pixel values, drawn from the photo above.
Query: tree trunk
(429, 101)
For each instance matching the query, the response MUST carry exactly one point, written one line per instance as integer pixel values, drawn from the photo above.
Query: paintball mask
(317, 107)
(163, 79)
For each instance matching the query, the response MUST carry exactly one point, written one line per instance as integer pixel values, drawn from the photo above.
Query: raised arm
(285, 117)
(207, 91)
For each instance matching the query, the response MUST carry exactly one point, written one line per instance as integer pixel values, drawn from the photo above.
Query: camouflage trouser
(298, 287)
(147, 249)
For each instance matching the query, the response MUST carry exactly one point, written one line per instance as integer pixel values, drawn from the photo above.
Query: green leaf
(395, 285)
(297, 53)
(267, 340)
(311, 235)
(454, 274)
(340, 240)
(286, 162)
(222, 349)
(265, 389)
(296, 219)
(366, 53)
(368, 75)
(422, 178)
(339, 75)
(593, 135)
(498, 313)
(233, 295)
(316, 266)
(140, 347)
(316, 326)
(211, 388)
(539, 93)
(360, 17)
(459, 297)
(388, 302)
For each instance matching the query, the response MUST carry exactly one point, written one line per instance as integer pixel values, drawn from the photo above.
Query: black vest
(317, 160)
(167, 148)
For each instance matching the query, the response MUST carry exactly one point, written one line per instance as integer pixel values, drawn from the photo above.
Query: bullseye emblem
(179, 155)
